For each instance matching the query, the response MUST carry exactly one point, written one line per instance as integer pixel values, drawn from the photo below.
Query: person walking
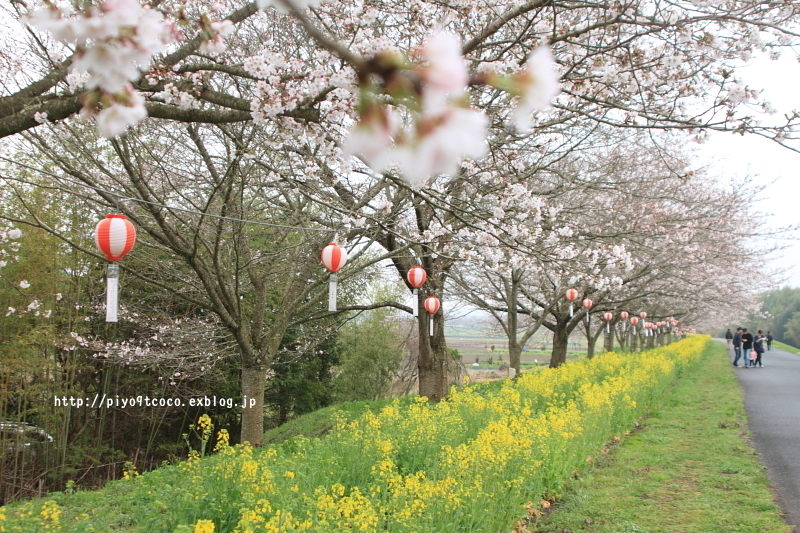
(758, 345)
(747, 347)
(729, 337)
(737, 346)
(769, 341)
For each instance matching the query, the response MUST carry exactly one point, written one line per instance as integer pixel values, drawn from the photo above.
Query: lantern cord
(182, 209)
(156, 204)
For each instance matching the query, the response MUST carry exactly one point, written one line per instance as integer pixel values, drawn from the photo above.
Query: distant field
(482, 346)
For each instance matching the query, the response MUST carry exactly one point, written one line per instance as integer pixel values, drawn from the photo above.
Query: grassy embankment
(468, 464)
(709, 481)
(785, 347)
(690, 468)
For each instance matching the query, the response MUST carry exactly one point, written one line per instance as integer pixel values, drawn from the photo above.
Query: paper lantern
(114, 237)
(572, 295)
(608, 317)
(432, 305)
(416, 278)
(334, 258)
(587, 304)
(643, 314)
(624, 315)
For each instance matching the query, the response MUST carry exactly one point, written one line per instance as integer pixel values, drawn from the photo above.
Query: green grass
(319, 422)
(785, 347)
(690, 468)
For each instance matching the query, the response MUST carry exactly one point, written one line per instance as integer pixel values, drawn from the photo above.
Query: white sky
(736, 156)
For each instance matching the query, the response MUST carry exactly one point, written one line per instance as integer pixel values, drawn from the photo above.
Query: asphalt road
(772, 400)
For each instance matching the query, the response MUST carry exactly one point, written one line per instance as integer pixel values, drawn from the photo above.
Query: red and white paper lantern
(416, 277)
(608, 317)
(432, 306)
(572, 295)
(643, 316)
(587, 304)
(334, 258)
(114, 236)
(624, 315)
(634, 322)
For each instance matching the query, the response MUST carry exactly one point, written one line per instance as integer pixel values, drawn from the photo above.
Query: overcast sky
(768, 164)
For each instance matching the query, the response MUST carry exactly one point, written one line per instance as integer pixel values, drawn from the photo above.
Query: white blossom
(114, 120)
(14, 234)
(444, 71)
(538, 84)
(459, 133)
(299, 4)
(24, 284)
(372, 138)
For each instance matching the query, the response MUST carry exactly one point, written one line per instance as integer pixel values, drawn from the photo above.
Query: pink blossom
(537, 85)
(459, 133)
(372, 138)
(216, 44)
(299, 4)
(444, 70)
(110, 66)
(115, 119)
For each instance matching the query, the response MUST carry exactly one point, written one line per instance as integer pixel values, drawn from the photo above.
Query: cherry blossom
(537, 84)
(116, 118)
(115, 44)
(445, 131)
(277, 4)
(444, 141)
(215, 44)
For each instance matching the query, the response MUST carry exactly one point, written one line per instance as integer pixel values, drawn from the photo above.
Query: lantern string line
(182, 209)
(156, 204)
(187, 210)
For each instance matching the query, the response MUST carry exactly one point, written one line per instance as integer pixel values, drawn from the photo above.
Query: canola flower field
(472, 463)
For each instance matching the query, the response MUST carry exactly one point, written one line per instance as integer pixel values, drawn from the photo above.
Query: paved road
(772, 400)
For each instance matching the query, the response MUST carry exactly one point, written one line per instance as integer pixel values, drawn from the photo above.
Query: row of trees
(779, 313)
(239, 178)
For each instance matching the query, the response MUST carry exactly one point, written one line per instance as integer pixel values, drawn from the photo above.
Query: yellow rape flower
(204, 526)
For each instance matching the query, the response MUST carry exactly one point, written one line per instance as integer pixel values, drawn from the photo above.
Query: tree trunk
(560, 343)
(590, 342)
(622, 338)
(651, 341)
(433, 355)
(609, 342)
(253, 384)
(514, 356)
(634, 342)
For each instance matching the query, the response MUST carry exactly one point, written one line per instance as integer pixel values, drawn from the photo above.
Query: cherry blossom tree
(440, 102)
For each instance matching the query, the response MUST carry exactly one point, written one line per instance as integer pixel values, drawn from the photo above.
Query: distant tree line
(780, 314)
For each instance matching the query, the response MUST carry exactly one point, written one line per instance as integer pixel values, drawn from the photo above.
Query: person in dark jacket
(747, 347)
(769, 341)
(729, 337)
(758, 345)
(737, 346)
